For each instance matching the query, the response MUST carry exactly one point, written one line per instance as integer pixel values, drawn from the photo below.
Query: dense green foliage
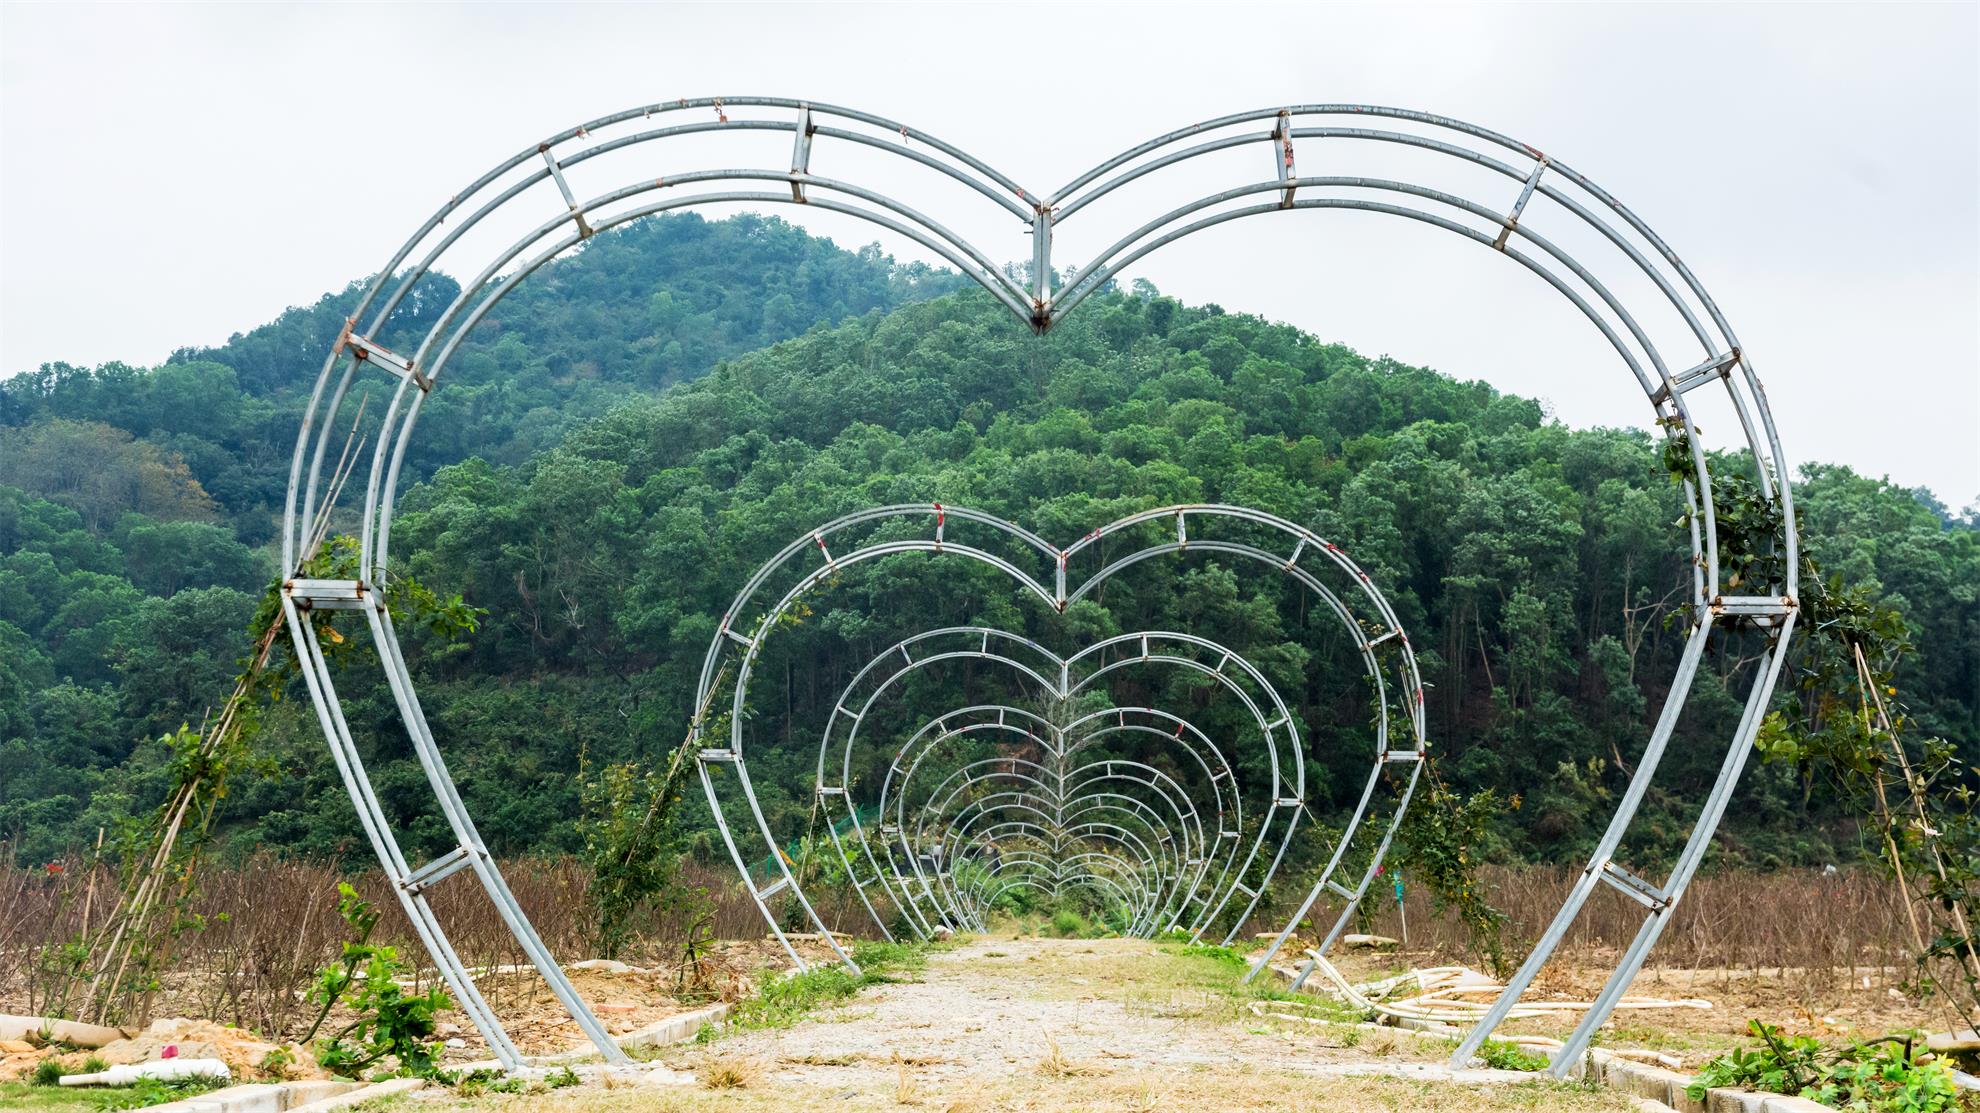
(136, 504)
(1879, 1076)
(605, 524)
(208, 435)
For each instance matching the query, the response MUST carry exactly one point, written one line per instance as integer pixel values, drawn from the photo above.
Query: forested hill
(640, 308)
(1532, 563)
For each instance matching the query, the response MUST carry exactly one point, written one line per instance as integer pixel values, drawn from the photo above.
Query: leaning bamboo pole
(133, 923)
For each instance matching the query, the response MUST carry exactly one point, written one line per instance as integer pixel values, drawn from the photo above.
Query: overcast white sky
(171, 174)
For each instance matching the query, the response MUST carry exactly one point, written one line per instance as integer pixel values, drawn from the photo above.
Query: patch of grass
(787, 1000)
(906, 1090)
(31, 1098)
(834, 1059)
(476, 1083)
(1068, 924)
(150, 1091)
(1658, 1039)
(874, 953)
(1225, 955)
(1506, 1055)
(50, 1098)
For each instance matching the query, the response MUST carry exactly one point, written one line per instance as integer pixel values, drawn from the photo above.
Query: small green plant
(635, 847)
(1440, 840)
(631, 843)
(561, 1077)
(470, 1083)
(94, 1065)
(1888, 1079)
(1876, 1076)
(389, 1021)
(1506, 1055)
(48, 1072)
(277, 1062)
(1782, 1064)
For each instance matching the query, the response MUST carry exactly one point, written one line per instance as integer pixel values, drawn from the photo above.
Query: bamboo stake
(135, 913)
(1916, 789)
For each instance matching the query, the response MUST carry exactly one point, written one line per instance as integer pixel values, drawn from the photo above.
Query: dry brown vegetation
(1826, 929)
(1807, 938)
(270, 924)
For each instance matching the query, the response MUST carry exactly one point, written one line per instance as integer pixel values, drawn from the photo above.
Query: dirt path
(991, 1007)
(1039, 1024)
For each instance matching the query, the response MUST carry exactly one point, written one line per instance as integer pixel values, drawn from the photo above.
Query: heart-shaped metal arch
(826, 552)
(1059, 679)
(1212, 826)
(899, 834)
(962, 800)
(1535, 192)
(1100, 818)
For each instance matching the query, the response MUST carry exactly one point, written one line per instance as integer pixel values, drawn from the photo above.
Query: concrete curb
(1653, 1089)
(363, 1094)
(269, 1097)
(675, 1029)
(678, 1028)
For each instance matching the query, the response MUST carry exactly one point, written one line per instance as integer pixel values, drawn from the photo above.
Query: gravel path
(1058, 1025)
(1064, 1008)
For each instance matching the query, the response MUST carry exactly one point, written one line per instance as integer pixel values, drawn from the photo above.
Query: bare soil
(623, 1000)
(1814, 1003)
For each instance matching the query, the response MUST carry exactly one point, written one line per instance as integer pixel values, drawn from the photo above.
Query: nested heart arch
(969, 797)
(1105, 872)
(1388, 661)
(1060, 782)
(625, 154)
(1104, 819)
(1052, 876)
(1209, 809)
(1052, 678)
(899, 837)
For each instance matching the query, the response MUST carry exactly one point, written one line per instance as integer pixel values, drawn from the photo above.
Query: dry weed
(1057, 1064)
(906, 1090)
(1380, 1044)
(731, 1072)
(834, 1059)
